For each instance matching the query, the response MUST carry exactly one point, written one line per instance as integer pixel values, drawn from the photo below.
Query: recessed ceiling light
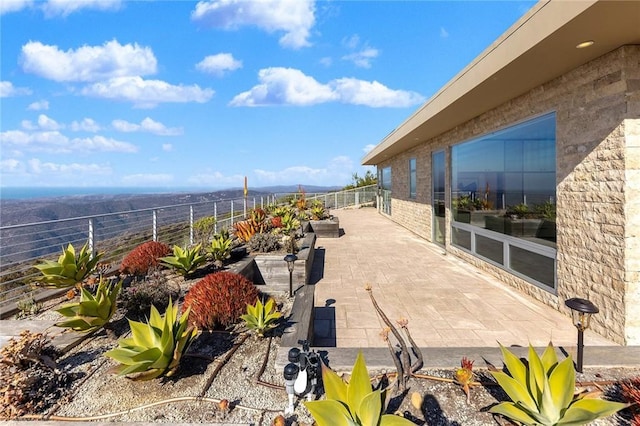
(584, 44)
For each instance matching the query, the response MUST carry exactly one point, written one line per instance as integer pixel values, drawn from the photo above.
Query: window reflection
(506, 181)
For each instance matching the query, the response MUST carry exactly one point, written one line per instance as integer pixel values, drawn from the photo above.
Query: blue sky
(200, 94)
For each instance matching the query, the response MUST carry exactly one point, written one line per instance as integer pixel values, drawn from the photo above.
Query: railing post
(336, 201)
(254, 203)
(261, 202)
(191, 225)
(155, 225)
(357, 199)
(231, 218)
(215, 217)
(91, 236)
(244, 212)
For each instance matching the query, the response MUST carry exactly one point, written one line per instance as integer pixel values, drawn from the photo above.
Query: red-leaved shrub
(631, 393)
(144, 257)
(219, 299)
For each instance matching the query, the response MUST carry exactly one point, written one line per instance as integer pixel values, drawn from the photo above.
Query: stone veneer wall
(597, 109)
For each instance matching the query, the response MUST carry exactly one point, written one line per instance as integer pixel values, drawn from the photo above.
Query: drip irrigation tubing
(142, 407)
(258, 379)
(221, 363)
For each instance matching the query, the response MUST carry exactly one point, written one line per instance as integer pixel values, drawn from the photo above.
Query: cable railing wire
(24, 245)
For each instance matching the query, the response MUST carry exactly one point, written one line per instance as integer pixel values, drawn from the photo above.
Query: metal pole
(155, 225)
(215, 217)
(231, 212)
(91, 242)
(190, 225)
(580, 350)
(290, 283)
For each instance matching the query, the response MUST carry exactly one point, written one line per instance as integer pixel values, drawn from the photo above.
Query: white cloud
(337, 171)
(167, 147)
(363, 57)
(143, 179)
(42, 105)
(86, 125)
(368, 148)
(373, 94)
(7, 6)
(443, 33)
(214, 179)
(286, 86)
(44, 123)
(87, 63)
(66, 7)
(56, 143)
(218, 64)
(146, 125)
(7, 89)
(102, 144)
(146, 93)
(47, 123)
(11, 166)
(36, 166)
(294, 17)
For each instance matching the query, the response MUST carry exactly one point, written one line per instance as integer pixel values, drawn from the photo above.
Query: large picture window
(503, 188)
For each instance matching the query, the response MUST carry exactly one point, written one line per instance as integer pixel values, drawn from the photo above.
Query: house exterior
(527, 163)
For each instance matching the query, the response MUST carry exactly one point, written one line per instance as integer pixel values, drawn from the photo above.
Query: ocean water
(26, 193)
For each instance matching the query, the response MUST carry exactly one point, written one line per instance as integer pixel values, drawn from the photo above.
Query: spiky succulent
(92, 311)
(543, 392)
(185, 260)
(354, 403)
(70, 269)
(156, 347)
(262, 317)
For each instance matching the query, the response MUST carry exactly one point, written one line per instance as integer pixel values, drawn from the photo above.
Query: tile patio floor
(448, 303)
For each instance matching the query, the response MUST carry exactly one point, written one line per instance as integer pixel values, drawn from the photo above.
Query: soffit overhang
(539, 47)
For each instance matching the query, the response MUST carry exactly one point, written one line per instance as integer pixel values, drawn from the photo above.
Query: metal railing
(116, 234)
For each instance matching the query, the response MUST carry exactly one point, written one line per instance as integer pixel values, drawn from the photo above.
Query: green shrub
(204, 228)
(144, 257)
(219, 299)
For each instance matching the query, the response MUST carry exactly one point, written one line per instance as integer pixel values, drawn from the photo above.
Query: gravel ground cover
(237, 367)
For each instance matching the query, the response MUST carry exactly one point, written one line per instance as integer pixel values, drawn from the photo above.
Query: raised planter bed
(327, 228)
(270, 270)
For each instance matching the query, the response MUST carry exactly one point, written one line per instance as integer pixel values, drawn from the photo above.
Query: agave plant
(543, 392)
(91, 312)
(184, 260)
(290, 223)
(155, 347)
(220, 249)
(70, 269)
(353, 403)
(261, 317)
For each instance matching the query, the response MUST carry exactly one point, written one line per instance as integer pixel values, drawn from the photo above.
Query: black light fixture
(581, 311)
(290, 259)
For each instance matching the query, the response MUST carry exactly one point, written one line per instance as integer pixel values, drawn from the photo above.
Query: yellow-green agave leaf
(330, 413)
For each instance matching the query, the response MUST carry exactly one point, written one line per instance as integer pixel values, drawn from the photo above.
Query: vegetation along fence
(116, 234)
